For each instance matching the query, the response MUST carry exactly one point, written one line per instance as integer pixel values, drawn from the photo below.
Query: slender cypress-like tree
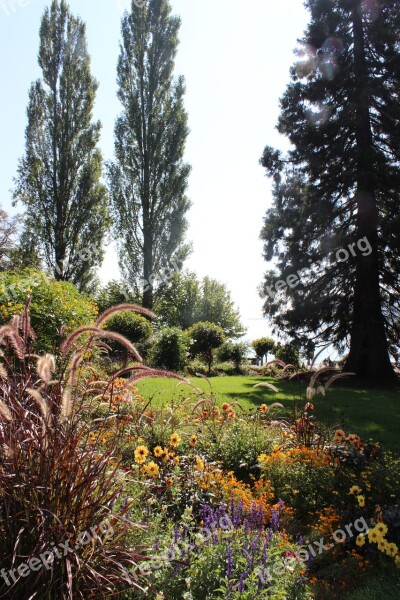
(148, 180)
(334, 227)
(59, 177)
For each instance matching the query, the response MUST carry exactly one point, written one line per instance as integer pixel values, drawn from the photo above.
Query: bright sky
(235, 56)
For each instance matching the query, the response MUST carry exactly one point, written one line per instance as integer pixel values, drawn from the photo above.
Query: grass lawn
(370, 413)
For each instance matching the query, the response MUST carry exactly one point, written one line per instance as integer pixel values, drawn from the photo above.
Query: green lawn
(370, 413)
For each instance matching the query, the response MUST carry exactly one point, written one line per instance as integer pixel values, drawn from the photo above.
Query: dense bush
(205, 337)
(262, 346)
(170, 349)
(232, 351)
(288, 353)
(136, 328)
(54, 304)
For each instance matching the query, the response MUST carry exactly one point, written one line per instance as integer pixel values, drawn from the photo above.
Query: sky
(235, 56)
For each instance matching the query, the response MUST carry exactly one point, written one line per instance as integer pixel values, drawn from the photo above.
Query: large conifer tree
(148, 180)
(339, 184)
(59, 175)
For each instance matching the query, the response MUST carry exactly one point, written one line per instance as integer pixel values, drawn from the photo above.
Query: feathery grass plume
(153, 373)
(316, 356)
(25, 322)
(41, 403)
(200, 403)
(236, 403)
(66, 403)
(122, 340)
(267, 385)
(318, 373)
(276, 405)
(14, 339)
(3, 372)
(335, 377)
(320, 390)
(67, 344)
(121, 308)
(310, 393)
(73, 368)
(46, 365)
(297, 374)
(5, 411)
(276, 361)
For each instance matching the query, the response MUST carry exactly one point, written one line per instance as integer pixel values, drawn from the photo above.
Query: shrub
(135, 328)
(232, 351)
(53, 304)
(205, 337)
(288, 353)
(238, 446)
(170, 349)
(262, 346)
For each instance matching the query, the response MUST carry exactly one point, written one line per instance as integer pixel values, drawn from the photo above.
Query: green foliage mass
(53, 304)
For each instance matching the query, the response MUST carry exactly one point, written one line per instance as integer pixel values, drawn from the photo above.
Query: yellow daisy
(193, 441)
(141, 454)
(382, 544)
(392, 549)
(361, 501)
(382, 528)
(355, 490)
(152, 469)
(199, 464)
(360, 540)
(158, 451)
(175, 440)
(374, 536)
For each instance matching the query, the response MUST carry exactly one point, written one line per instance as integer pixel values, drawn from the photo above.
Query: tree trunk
(369, 354)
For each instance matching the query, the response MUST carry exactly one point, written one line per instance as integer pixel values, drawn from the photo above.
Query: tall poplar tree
(149, 178)
(337, 191)
(59, 177)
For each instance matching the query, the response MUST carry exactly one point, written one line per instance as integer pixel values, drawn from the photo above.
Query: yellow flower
(158, 451)
(152, 469)
(382, 528)
(360, 540)
(355, 490)
(374, 536)
(339, 433)
(175, 440)
(382, 545)
(193, 441)
(141, 454)
(199, 464)
(361, 501)
(392, 550)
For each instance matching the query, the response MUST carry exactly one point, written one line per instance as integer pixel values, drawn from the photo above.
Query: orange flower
(263, 408)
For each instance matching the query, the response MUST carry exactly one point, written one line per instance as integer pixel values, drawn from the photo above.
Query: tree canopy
(59, 177)
(148, 179)
(333, 232)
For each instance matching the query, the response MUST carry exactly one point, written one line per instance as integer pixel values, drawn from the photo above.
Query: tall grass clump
(63, 523)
